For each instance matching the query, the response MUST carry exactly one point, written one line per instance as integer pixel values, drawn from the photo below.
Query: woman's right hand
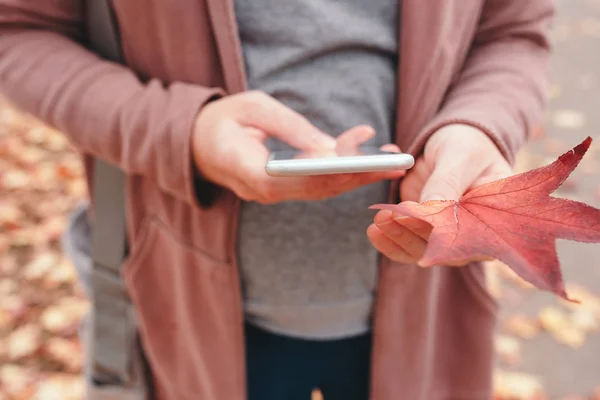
(228, 148)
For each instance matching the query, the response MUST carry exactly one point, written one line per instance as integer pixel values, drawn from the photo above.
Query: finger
(416, 226)
(387, 247)
(262, 111)
(354, 137)
(410, 242)
(497, 171)
(325, 186)
(347, 182)
(452, 175)
(392, 148)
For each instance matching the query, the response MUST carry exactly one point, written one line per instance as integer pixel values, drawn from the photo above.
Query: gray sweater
(308, 269)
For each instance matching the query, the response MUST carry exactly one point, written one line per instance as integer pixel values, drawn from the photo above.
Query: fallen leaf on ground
(514, 220)
(517, 386)
(557, 323)
(61, 387)
(65, 351)
(522, 326)
(568, 119)
(508, 349)
(3, 350)
(23, 342)
(8, 287)
(6, 319)
(64, 316)
(62, 273)
(10, 217)
(14, 379)
(14, 180)
(585, 320)
(40, 265)
(13, 305)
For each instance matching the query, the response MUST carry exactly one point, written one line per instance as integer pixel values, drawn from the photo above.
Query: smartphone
(362, 159)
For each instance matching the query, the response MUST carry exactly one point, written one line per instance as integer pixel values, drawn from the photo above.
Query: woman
(283, 292)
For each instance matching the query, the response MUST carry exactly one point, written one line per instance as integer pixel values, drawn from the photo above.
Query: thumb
(285, 124)
(450, 179)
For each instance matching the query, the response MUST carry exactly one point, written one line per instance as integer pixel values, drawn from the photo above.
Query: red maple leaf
(514, 220)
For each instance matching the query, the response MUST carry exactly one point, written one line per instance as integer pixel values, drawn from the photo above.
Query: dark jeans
(284, 368)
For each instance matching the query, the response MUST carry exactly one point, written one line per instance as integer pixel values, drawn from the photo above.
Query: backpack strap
(113, 336)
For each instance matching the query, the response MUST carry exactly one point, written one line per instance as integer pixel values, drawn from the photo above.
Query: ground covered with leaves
(41, 180)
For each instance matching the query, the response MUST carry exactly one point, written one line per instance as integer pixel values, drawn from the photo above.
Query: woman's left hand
(456, 158)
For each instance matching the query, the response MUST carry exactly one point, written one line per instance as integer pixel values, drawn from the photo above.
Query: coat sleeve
(502, 89)
(144, 128)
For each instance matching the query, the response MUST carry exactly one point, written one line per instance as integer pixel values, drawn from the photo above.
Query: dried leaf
(13, 305)
(14, 379)
(37, 135)
(10, 217)
(3, 350)
(585, 320)
(70, 169)
(61, 387)
(63, 273)
(56, 141)
(65, 316)
(23, 342)
(77, 188)
(14, 180)
(53, 228)
(517, 386)
(30, 155)
(514, 220)
(508, 349)
(65, 351)
(6, 320)
(568, 119)
(40, 265)
(522, 326)
(8, 287)
(558, 325)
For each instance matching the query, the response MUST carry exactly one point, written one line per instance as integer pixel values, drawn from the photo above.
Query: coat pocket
(189, 311)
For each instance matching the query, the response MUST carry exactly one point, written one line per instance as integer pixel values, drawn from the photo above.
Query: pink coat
(479, 62)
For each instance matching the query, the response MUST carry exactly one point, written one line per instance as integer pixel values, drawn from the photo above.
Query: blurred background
(547, 349)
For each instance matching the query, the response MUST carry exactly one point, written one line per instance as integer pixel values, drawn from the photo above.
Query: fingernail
(324, 140)
(370, 131)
